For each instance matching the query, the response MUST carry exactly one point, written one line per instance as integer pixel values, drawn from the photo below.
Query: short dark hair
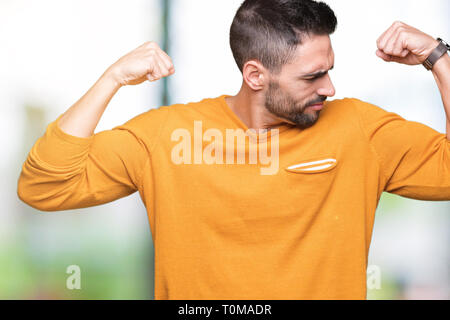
(270, 30)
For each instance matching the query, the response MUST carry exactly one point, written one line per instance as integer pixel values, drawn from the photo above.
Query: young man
(269, 194)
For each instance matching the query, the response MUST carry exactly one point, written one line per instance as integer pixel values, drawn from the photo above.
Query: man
(269, 194)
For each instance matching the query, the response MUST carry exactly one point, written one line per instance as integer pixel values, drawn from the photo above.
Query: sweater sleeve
(413, 158)
(64, 172)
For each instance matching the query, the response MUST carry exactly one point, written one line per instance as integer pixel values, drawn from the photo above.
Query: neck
(248, 105)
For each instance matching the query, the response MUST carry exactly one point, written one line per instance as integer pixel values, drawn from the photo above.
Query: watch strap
(437, 53)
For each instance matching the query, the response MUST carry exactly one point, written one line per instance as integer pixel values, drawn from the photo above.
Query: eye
(316, 77)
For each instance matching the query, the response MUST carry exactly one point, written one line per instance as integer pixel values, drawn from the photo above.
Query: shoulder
(206, 108)
(364, 107)
(352, 104)
(363, 110)
(177, 110)
(151, 122)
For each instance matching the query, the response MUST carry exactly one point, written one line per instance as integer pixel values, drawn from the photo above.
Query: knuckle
(151, 59)
(156, 73)
(151, 44)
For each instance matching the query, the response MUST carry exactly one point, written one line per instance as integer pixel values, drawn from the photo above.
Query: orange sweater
(224, 231)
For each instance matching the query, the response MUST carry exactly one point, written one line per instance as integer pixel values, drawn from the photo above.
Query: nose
(326, 87)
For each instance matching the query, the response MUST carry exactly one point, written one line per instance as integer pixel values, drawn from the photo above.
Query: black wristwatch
(437, 53)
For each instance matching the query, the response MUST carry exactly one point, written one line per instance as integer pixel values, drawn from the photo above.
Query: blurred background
(53, 51)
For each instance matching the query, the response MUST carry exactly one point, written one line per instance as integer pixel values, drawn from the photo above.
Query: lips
(316, 106)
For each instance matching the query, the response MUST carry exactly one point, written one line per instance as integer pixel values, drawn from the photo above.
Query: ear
(254, 75)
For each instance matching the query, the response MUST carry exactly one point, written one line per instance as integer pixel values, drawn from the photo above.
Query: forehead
(314, 54)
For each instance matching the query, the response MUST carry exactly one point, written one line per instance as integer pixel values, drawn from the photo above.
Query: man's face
(302, 83)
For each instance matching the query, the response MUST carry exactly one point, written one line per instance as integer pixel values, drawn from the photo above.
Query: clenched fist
(147, 62)
(404, 44)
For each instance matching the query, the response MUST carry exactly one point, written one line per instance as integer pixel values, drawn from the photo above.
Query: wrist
(436, 53)
(442, 64)
(112, 76)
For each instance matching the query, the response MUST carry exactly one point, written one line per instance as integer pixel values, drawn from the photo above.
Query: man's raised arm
(147, 62)
(414, 159)
(70, 167)
(404, 44)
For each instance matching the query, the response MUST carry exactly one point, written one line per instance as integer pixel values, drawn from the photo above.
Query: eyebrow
(316, 74)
